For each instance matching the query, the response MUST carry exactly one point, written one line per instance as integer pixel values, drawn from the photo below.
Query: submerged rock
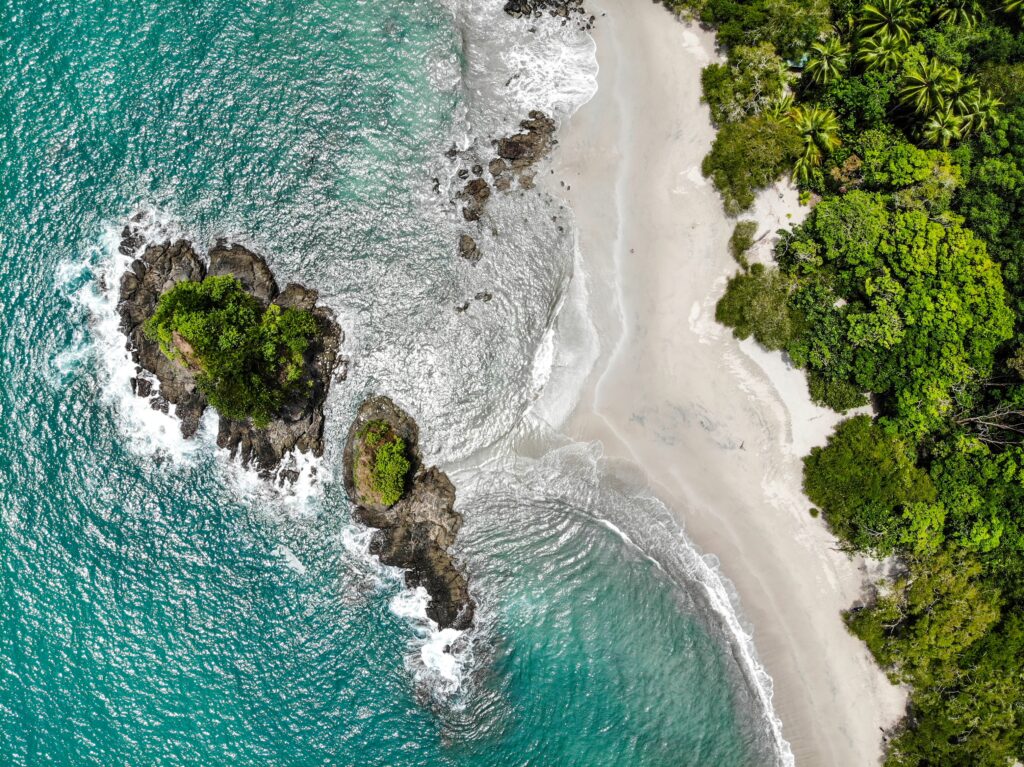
(477, 192)
(160, 267)
(416, 532)
(517, 156)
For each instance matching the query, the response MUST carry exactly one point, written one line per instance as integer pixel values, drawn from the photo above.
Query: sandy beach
(718, 426)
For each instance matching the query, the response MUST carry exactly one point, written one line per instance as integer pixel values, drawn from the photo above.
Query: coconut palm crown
(896, 18)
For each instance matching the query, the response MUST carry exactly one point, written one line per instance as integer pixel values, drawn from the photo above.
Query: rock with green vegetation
(382, 465)
(411, 507)
(247, 359)
(221, 334)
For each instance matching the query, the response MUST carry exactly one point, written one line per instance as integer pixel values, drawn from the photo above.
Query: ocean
(161, 605)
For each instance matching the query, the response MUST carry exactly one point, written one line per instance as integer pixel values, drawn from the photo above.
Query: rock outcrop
(417, 531)
(516, 157)
(159, 268)
(565, 9)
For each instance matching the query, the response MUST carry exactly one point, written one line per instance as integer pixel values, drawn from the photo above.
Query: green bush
(752, 79)
(757, 303)
(742, 240)
(390, 464)
(862, 480)
(790, 25)
(248, 360)
(750, 155)
(838, 394)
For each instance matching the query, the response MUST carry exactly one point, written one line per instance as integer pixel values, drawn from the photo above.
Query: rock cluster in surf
(564, 9)
(415, 533)
(514, 161)
(157, 269)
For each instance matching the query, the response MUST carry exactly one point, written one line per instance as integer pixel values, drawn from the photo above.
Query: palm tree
(804, 164)
(942, 127)
(882, 51)
(897, 18)
(828, 60)
(966, 12)
(819, 128)
(960, 89)
(978, 111)
(928, 84)
(780, 108)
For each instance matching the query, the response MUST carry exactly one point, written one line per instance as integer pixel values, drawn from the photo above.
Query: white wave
(440, 657)
(147, 431)
(296, 499)
(516, 65)
(616, 496)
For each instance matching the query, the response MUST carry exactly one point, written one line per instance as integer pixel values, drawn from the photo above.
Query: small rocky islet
(299, 425)
(416, 532)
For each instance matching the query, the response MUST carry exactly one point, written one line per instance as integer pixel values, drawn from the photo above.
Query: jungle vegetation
(903, 123)
(248, 360)
(387, 463)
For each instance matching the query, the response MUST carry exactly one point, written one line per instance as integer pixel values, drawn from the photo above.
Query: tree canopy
(903, 122)
(248, 360)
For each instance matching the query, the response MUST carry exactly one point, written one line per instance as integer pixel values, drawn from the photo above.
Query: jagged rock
(251, 270)
(416, 532)
(477, 192)
(556, 8)
(497, 166)
(160, 267)
(468, 248)
(532, 144)
(517, 156)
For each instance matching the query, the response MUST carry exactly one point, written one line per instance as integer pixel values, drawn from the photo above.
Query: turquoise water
(159, 607)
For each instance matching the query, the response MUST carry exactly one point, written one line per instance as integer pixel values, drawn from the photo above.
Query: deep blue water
(160, 607)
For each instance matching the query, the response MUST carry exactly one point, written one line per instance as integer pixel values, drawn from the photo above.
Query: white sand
(718, 426)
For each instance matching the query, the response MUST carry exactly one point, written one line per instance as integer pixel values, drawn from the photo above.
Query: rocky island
(411, 507)
(221, 333)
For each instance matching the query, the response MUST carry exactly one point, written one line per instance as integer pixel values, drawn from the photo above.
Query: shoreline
(717, 426)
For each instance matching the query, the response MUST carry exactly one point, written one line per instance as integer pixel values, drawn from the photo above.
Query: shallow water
(162, 606)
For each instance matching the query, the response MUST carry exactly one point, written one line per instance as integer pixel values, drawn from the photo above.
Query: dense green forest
(903, 123)
(248, 359)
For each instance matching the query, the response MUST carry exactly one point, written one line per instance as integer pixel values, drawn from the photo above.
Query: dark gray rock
(160, 267)
(477, 192)
(529, 145)
(251, 270)
(468, 248)
(415, 533)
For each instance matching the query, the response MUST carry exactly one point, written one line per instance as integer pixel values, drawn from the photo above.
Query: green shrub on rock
(247, 360)
(382, 465)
